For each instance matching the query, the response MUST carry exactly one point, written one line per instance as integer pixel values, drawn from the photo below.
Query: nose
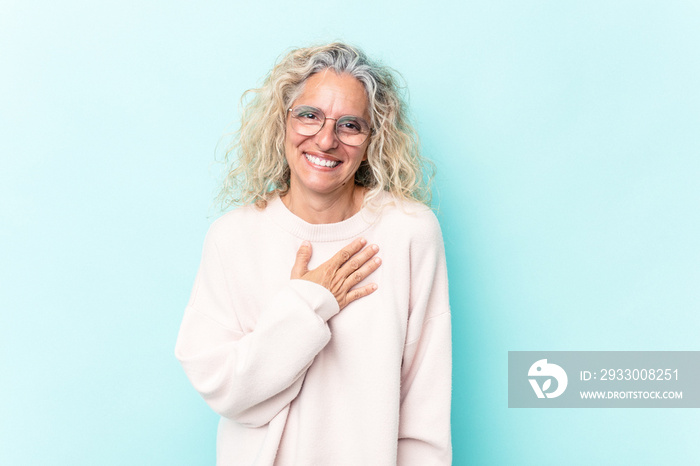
(326, 138)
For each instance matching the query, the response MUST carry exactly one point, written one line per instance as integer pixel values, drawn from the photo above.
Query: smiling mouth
(321, 162)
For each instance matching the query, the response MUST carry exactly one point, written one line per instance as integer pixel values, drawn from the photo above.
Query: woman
(312, 349)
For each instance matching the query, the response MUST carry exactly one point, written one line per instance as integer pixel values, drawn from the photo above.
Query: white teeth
(321, 162)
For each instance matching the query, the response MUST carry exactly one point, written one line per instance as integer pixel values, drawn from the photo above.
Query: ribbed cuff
(319, 298)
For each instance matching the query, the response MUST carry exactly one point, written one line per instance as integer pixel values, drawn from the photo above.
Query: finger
(358, 260)
(344, 255)
(360, 292)
(363, 272)
(301, 263)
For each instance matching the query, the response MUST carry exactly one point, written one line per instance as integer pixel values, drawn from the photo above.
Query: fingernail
(363, 241)
(377, 260)
(374, 287)
(375, 247)
(305, 243)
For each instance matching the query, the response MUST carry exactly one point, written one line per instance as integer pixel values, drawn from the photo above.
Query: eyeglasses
(350, 130)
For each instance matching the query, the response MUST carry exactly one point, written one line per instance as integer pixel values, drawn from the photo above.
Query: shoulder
(239, 221)
(410, 217)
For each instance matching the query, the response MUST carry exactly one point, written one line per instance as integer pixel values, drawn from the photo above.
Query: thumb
(301, 264)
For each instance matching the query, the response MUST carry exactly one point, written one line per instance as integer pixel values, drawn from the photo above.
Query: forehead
(335, 94)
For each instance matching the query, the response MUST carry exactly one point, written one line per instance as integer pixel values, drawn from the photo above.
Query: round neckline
(343, 230)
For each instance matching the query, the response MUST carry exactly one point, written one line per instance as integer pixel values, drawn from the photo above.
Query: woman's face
(321, 164)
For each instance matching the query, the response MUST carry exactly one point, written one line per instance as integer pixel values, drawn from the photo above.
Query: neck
(318, 209)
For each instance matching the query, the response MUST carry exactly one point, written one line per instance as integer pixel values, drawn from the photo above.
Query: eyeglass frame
(335, 127)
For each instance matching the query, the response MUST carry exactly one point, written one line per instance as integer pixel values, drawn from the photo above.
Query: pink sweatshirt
(295, 381)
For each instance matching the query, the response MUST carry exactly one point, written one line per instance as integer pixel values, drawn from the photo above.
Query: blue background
(566, 136)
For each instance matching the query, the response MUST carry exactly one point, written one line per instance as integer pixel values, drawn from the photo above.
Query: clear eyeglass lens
(350, 130)
(309, 120)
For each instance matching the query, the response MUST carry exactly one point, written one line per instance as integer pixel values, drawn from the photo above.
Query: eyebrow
(324, 112)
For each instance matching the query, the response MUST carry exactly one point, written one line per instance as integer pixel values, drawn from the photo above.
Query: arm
(426, 376)
(250, 377)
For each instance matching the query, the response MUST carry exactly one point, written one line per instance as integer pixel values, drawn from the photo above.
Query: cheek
(293, 140)
(363, 157)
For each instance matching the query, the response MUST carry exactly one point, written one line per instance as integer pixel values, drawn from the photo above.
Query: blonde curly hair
(256, 167)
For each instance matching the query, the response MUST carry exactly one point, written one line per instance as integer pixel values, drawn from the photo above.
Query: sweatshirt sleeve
(426, 375)
(250, 377)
